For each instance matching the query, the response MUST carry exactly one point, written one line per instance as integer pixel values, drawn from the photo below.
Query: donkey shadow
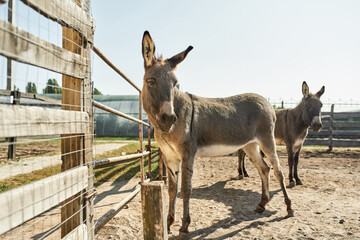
(238, 200)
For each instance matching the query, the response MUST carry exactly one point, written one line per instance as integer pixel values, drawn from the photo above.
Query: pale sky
(266, 47)
(262, 46)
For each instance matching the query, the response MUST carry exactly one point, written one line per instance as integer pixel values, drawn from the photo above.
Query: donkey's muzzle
(316, 124)
(167, 120)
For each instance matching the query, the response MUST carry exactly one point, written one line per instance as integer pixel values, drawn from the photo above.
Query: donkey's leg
(296, 158)
(291, 161)
(241, 166)
(173, 178)
(269, 149)
(244, 168)
(186, 188)
(252, 151)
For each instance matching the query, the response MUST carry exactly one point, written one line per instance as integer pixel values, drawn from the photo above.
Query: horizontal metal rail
(113, 211)
(102, 56)
(113, 111)
(120, 159)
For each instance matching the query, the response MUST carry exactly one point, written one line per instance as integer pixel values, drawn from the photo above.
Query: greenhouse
(110, 125)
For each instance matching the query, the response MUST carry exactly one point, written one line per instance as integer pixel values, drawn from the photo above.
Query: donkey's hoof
(292, 184)
(241, 177)
(247, 175)
(290, 213)
(298, 182)
(183, 234)
(259, 209)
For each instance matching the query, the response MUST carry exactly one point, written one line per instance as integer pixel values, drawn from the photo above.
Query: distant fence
(340, 129)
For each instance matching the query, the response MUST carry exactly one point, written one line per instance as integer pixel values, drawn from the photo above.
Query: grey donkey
(291, 129)
(187, 126)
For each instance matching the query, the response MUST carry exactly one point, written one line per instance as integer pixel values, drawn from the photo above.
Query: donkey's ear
(305, 89)
(148, 49)
(320, 92)
(178, 58)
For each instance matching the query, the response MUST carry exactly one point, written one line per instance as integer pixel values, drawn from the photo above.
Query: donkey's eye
(151, 82)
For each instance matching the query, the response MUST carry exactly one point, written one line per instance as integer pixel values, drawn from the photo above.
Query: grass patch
(22, 179)
(126, 171)
(128, 149)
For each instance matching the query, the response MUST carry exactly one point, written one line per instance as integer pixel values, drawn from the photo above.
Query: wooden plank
(71, 99)
(153, 210)
(325, 123)
(322, 133)
(5, 92)
(120, 159)
(24, 47)
(20, 121)
(79, 233)
(88, 145)
(344, 143)
(327, 114)
(353, 133)
(321, 142)
(67, 13)
(23, 203)
(348, 124)
(345, 115)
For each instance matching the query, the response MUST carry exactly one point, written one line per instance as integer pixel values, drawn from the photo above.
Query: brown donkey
(291, 129)
(187, 126)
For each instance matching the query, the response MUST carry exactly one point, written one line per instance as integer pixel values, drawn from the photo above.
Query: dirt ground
(221, 207)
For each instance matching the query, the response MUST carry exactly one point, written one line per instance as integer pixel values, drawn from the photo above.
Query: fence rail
(340, 129)
(66, 192)
(72, 191)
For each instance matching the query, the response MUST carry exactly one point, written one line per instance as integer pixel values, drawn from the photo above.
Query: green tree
(97, 92)
(31, 88)
(52, 86)
(16, 88)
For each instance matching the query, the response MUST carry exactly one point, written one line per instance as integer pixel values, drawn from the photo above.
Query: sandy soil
(327, 205)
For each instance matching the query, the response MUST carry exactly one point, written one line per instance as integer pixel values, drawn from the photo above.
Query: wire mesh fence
(45, 144)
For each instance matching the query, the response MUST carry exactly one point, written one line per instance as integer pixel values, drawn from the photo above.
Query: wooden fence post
(88, 89)
(153, 210)
(88, 159)
(71, 146)
(12, 140)
(10, 81)
(331, 127)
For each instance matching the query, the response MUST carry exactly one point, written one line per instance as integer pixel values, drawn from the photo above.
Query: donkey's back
(221, 125)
